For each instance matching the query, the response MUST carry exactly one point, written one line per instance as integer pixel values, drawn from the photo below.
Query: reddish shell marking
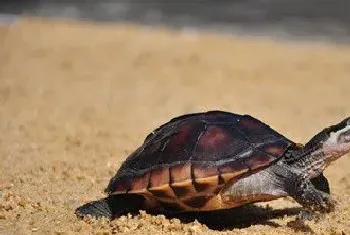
(120, 188)
(140, 182)
(276, 149)
(232, 167)
(259, 160)
(200, 171)
(251, 124)
(214, 138)
(159, 177)
(180, 137)
(181, 173)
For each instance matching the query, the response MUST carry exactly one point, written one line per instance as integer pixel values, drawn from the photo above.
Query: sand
(77, 98)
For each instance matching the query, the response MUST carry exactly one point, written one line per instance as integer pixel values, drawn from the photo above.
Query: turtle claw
(309, 216)
(331, 205)
(323, 203)
(313, 199)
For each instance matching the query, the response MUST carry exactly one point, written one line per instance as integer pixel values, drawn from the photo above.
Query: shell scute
(180, 173)
(202, 170)
(219, 142)
(208, 184)
(183, 190)
(163, 193)
(140, 183)
(159, 176)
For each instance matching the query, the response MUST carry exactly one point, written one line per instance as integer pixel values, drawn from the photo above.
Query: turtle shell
(188, 160)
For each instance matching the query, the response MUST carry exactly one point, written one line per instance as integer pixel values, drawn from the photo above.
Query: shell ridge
(198, 139)
(171, 181)
(268, 154)
(245, 137)
(177, 120)
(194, 151)
(244, 153)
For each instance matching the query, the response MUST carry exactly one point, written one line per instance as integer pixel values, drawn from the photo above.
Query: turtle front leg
(314, 201)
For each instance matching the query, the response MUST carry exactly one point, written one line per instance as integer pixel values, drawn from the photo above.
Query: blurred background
(323, 19)
(82, 83)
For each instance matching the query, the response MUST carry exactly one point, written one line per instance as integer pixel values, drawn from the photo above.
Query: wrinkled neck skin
(314, 159)
(313, 164)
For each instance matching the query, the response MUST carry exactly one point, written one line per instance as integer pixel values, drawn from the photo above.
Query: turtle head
(337, 141)
(325, 147)
(333, 141)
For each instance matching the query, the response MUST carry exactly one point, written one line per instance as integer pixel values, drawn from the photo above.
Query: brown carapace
(185, 163)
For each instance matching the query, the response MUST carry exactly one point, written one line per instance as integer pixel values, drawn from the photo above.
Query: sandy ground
(76, 99)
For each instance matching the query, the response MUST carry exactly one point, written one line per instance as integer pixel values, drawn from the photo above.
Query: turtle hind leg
(96, 209)
(112, 206)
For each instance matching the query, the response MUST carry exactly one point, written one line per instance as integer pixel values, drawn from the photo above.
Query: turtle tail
(112, 206)
(96, 209)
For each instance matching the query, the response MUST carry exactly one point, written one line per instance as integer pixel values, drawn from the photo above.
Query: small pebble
(7, 207)
(59, 233)
(22, 203)
(6, 186)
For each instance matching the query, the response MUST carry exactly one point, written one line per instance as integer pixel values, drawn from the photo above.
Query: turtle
(218, 160)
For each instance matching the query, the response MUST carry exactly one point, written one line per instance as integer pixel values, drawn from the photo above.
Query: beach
(77, 98)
